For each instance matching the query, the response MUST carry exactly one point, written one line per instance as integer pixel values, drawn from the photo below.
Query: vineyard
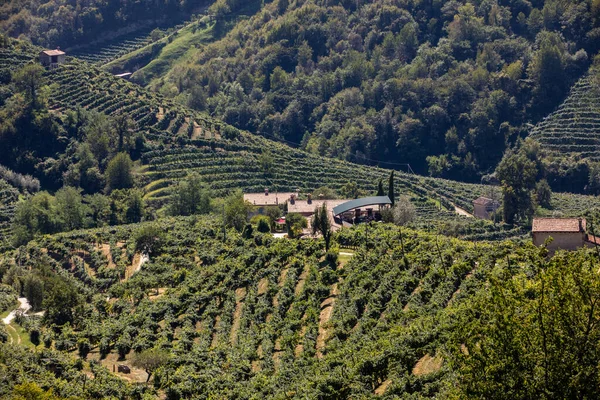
(9, 196)
(289, 314)
(104, 52)
(574, 128)
(181, 141)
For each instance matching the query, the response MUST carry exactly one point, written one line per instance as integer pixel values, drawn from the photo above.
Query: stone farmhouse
(567, 233)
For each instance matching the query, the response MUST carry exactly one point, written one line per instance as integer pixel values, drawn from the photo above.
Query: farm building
(361, 210)
(568, 233)
(484, 207)
(268, 199)
(52, 58)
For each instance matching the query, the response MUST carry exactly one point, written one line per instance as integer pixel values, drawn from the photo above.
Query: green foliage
(518, 171)
(149, 239)
(295, 223)
(322, 224)
(236, 210)
(119, 173)
(191, 196)
(537, 332)
(151, 360)
(403, 211)
(543, 194)
(325, 193)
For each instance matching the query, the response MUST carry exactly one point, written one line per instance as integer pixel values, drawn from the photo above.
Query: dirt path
(427, 365)
(301, 280)
(463, 212)
(324, 317)
(383, 387)
(240, 294)
(24, 306)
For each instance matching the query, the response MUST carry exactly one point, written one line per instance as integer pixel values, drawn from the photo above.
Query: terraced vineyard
(9, 196)
(181, 141)
(104, 52)
(574, 128)
(287, 314)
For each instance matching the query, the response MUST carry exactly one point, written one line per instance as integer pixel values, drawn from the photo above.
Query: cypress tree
(380, 191)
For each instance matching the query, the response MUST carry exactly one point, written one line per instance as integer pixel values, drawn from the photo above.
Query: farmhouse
(267, 199)
(52, 58)
(568, 233)
(484, 207)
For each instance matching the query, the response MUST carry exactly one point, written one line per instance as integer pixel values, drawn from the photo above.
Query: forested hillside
(445, 87)
(73, 22)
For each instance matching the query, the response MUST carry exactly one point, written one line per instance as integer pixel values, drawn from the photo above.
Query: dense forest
(444, 86)
(54, 23)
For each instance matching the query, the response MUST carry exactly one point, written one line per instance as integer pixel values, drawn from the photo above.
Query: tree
(533, 335)
(391, 194)
(321, 223)
(123, 127)
(404, 211)
(190, 197)
(33, 290)
(119, 173)
(324, 193)
(29, 80)
(236, 210)
(543, 194)
(380, 191)
(71, 213)
(150, 360)
(61, 300)
(295, 223)
(517, 172)
(149, 239)
(263, 225)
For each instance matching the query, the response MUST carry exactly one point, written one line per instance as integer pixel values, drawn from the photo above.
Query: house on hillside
(267, 199)
(52, 58)
(484, 207)
(568, 233)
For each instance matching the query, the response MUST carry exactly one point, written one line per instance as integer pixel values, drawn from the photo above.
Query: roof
(304, 207)
(558, 225)
(53, 52)
(272, 199)
(358, 203)
(595, 240)
(483, 201)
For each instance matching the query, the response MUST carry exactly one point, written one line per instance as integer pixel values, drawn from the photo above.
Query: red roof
(53, 52)
(558, 225)
(484, 201)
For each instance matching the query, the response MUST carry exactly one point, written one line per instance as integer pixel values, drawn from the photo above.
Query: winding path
(24, 306)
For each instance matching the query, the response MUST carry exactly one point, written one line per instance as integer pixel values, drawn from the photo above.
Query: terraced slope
(286, 315)
(181, 140)
(574, 128)
(9, 196)
(104, 52)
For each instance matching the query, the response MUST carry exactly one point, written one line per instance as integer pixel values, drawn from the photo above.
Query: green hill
(573, 130)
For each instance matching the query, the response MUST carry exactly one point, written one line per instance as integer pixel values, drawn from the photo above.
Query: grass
(178, 47)
(18, 335)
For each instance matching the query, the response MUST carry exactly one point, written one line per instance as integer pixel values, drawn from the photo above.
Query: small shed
(568, 233)
(484, 207)
(52, 58)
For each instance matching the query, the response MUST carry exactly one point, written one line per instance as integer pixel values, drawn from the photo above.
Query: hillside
(178, 141)
(573, 130)
(265, 316)
(445, 87)
(272, 318)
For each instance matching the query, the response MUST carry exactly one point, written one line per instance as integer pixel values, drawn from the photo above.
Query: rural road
(23, 307)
